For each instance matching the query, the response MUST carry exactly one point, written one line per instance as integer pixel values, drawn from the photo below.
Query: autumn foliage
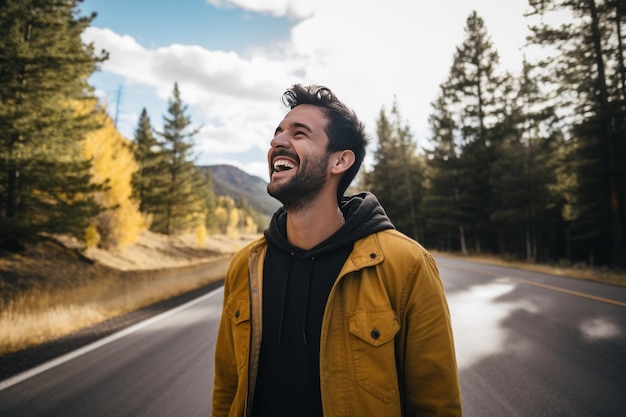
(113, 166)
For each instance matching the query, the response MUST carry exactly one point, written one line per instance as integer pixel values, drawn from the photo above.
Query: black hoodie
(296, 285)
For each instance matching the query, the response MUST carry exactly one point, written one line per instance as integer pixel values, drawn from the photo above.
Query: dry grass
(52, 290)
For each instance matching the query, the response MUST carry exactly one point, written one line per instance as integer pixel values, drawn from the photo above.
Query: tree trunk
(607, 130)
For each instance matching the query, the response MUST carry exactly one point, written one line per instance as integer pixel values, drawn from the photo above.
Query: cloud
(367, 52)
(237, 99)
(292, 8)
(206, 73)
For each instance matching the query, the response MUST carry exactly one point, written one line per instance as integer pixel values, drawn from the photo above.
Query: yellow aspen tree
(233, 224)
(121, 222)
(250, 225)
(201, 234)
(221, 217)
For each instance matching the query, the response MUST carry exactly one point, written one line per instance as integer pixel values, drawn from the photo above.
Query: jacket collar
(367, 252)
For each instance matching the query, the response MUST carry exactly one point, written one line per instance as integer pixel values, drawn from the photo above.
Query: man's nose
(280, 140)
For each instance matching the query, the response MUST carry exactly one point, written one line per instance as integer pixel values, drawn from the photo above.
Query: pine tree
(184, 202)
(150, 179)
(523, 172)
(445, 222)
(396, 177)
(473, 91)
(44, 65)
(586, 70)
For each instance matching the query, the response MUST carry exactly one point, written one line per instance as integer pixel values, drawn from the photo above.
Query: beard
(304, 187)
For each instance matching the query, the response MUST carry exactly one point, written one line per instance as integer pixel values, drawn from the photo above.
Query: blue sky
(188, 22)
(233, 59)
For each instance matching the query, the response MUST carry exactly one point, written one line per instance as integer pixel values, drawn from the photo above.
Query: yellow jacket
(386, 346)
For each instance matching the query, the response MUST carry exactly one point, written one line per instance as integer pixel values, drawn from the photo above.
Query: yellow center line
(546, 286)
(571, 292)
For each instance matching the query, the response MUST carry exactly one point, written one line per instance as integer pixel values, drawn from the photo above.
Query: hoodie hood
(311, 273)
(363, 214)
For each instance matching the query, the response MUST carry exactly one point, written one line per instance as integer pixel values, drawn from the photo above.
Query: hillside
(231, 181)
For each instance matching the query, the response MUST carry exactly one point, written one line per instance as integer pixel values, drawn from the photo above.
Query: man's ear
(341, 161)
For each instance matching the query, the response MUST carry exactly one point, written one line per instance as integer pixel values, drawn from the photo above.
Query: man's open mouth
(281, 165)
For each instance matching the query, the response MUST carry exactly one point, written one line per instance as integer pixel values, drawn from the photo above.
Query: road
(528, 344)
(157, 368)
(535, 345)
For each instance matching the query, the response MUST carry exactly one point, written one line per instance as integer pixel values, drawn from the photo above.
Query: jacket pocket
(238, 310)
(372, 334)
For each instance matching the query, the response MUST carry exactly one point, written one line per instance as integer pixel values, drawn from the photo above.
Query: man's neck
(310, 226)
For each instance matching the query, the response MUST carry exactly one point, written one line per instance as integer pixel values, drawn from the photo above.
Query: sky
(233, 59)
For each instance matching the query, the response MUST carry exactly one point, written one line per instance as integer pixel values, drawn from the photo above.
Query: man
(332, 312)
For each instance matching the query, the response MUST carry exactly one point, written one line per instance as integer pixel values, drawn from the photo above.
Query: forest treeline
(527, 165)
(64, 167)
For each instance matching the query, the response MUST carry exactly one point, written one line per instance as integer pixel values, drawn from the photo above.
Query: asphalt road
(536, 345)
(528, 344)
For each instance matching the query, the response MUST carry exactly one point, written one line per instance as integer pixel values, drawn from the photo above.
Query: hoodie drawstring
(284, 295)
(307, 287)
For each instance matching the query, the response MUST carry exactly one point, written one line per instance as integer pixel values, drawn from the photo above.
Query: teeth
(281, 164)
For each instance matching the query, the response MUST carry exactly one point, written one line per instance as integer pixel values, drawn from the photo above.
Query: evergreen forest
(64, 167)
(527, 165)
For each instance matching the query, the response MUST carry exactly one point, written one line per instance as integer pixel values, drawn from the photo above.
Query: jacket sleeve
(431, 382)
(226, 378)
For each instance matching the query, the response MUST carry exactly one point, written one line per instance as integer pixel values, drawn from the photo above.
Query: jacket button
(373, 255)
(237, 314)
(375, 334)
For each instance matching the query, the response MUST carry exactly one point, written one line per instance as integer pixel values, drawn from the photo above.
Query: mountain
(231, 181)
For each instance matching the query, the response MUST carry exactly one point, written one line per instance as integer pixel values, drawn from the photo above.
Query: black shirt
(295, 291)
(296, 286)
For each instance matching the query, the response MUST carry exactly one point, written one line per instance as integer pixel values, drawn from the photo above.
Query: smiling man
(332, 312)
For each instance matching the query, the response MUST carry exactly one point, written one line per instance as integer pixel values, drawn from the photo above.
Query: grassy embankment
(50, 291)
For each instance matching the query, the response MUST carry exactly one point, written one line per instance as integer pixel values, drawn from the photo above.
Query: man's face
(297, 158)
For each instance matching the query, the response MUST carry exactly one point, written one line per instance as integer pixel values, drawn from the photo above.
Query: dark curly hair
(344, 129)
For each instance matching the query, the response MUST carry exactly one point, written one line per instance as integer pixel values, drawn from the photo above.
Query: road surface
(528, 344)
(535, 345)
